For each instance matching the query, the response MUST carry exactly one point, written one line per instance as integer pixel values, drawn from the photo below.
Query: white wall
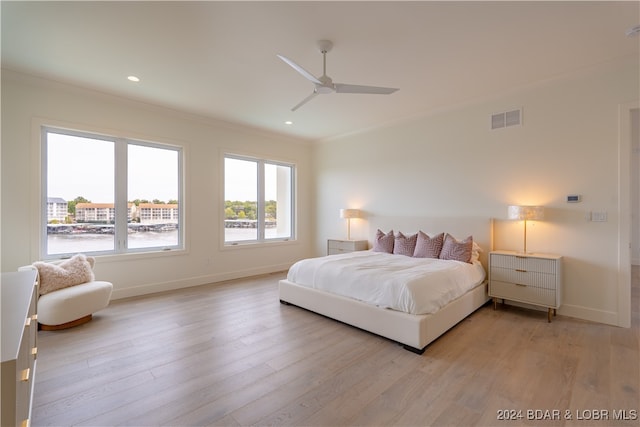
(635, 186)
(27, 101)
(451, 163)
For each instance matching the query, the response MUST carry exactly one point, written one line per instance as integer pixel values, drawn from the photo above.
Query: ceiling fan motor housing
(326, 86)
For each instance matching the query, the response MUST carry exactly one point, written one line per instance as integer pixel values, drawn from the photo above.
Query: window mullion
(261, 201)
(44, 184)
(121, 207)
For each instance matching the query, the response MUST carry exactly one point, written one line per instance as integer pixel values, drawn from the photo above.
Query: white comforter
(411, 285)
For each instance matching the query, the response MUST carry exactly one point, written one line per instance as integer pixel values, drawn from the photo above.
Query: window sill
(129, 256)
(254, 245)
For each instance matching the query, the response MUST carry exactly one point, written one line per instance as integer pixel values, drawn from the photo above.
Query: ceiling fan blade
(304, 101)
(346, 88)
(300, 70)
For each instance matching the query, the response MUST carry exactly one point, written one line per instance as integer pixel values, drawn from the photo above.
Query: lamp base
(524, 253)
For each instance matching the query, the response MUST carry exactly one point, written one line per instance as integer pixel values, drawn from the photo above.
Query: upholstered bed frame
(414, 332)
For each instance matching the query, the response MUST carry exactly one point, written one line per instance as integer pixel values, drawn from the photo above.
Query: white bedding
(402, 283)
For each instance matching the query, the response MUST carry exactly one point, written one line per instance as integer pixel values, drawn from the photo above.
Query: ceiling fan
(324, 84)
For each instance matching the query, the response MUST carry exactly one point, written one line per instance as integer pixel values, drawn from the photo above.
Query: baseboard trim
(576, 311)
(590, 314)
(152, 288)
(579, 312)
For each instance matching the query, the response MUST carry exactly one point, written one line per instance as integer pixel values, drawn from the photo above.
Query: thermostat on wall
(574, 198)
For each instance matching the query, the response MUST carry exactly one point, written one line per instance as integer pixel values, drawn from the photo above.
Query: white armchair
(71, 295)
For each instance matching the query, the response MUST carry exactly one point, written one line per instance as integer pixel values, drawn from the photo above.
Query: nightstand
(335, 246)
(528, 278)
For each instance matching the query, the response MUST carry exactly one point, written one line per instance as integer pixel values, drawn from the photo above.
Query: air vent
(506, 119)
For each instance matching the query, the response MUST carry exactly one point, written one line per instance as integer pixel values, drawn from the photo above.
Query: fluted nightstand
(529, 278)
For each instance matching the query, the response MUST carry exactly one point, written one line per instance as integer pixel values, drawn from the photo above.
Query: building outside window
(57, 210)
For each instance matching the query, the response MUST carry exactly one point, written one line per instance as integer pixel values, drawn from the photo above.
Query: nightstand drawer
(524, 277)
(335, 246)
(341, 245)
(516, 262)
(524, 293)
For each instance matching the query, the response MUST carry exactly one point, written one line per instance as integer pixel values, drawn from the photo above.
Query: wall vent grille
(506, 119)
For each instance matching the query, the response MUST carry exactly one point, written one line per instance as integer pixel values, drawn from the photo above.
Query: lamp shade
(535, 213)
(349, 213)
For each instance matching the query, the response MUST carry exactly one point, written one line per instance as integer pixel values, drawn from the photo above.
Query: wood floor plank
(230, 354)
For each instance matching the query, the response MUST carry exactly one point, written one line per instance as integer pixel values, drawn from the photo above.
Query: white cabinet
(335, 246)
(19, 295)
(528, 278)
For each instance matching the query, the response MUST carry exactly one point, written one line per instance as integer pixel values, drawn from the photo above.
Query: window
(106, 195)
(259, 199)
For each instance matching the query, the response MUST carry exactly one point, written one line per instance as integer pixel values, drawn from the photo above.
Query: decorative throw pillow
(457, 250)
(404, 245)
(75, 271)
(383, 242)
(475, 252)
(428, 247)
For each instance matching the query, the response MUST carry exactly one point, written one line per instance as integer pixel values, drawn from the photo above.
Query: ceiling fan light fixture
(324, 46)
(133, 78)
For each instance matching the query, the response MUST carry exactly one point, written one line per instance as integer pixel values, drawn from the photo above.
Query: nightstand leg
(549, 315)
(495, 303)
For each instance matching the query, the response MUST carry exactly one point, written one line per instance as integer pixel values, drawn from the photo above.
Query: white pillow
(475, 252)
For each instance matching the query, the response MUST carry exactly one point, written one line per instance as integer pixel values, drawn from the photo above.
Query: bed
(413, 326)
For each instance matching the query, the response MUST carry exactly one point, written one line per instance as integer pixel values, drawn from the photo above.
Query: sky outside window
(84, 167)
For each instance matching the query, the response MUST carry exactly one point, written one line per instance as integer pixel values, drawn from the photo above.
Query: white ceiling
(218, 59)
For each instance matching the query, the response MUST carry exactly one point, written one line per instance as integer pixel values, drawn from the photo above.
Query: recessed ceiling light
(288, 122)
(133, 79)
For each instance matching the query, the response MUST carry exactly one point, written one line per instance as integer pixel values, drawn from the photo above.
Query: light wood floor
(231, 354)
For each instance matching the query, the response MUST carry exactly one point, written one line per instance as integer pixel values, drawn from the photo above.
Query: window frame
(260, 183)
(121, 144)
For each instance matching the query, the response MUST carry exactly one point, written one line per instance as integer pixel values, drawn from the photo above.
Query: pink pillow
(383, 242)
(74, 271)
(404, 245)
(428, 247)
(457, 250)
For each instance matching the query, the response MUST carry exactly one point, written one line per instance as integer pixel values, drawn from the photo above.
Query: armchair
(68, 292)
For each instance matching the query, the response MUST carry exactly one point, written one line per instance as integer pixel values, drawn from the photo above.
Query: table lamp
(526, 213)
(348, 214)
